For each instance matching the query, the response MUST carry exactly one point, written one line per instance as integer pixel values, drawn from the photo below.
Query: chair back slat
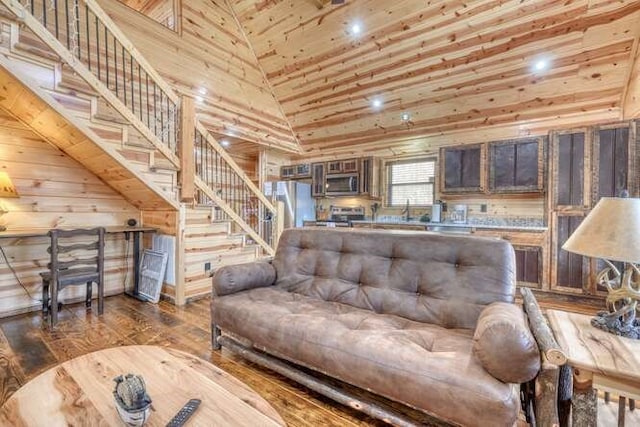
(56, 249)
(63, 265)
(77, 247)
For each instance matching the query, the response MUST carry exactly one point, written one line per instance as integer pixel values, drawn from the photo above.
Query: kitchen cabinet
(343, 166)
(531, 254)
(569, 203)
(516, 166)
(334, 167)
(318, 179)
(585, 165)
(462, 169)
(529, 266)
(370, 177)
(295, 171)
(287, 172)
(611, 158)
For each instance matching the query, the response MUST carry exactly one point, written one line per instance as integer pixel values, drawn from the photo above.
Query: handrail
(237, 169)
(124, 40)
(221, 181)
(85, 37)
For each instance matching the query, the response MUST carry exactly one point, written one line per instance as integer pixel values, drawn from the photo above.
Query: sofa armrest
(505, 345)
(242, 277)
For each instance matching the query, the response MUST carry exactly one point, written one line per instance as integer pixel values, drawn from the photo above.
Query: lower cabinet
(529, 266)
(532, 266)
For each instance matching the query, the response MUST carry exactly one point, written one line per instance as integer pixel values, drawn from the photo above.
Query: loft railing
(85, 37)
(222, 182)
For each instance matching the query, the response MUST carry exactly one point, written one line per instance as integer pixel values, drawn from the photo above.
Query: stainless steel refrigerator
(299, 206)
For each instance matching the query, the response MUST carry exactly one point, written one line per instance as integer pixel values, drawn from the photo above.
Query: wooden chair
(75, 271)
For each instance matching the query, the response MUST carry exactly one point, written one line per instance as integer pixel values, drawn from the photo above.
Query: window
(411, 180)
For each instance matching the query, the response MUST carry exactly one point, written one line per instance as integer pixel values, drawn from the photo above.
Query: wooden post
(180, 257)
(187, 160)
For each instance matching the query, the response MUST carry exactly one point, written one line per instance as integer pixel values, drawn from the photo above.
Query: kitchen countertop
(465, 225)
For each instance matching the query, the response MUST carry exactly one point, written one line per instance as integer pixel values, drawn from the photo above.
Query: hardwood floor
(28, 348)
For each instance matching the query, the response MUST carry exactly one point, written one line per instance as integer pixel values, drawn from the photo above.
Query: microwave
(342, 184)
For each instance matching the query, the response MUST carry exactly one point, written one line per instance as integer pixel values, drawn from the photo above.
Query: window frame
(388, 180)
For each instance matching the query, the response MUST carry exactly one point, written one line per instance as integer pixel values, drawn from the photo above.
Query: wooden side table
(600, 361)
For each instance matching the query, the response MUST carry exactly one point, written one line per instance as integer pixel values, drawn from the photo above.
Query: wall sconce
(7, 190)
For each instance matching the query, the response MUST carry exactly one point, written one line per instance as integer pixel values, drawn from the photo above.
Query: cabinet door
(571, 270)
(611, 158)
(516, 166)
(303, 170)
(529, 266)
(287, 172)
(462, 169)
(350, 165)
(318, 180)
(334, 167)
(570, 184)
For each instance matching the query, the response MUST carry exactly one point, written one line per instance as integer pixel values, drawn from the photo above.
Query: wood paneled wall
(211, 61)
(55, 191)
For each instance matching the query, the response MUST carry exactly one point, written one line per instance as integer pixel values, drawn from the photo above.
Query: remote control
(185, 413)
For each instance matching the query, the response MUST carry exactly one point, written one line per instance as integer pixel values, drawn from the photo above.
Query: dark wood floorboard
(28, 348)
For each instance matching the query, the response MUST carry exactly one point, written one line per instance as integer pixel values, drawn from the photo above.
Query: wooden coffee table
(79, 392)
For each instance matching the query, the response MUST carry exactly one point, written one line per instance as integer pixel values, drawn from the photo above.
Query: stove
(344, 214)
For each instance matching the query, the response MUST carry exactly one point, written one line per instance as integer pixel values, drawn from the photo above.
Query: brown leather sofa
(424, 319)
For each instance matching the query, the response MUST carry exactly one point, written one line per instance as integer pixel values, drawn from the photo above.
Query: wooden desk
(128, 231)
(600, 361)
(79, 392)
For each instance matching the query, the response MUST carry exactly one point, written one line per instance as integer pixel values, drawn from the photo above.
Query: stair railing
(85, 37)
(220, 181)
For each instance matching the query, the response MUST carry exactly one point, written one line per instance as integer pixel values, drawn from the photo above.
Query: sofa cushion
(504, 344)
(422, 365)
(427, 277)
(241, 277)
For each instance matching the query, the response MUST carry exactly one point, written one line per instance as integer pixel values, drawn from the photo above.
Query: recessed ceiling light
(202, 91)
(405, 117)
(376, 103)
(199, 99)
(225, 143)
(541, 64)
(356, 28)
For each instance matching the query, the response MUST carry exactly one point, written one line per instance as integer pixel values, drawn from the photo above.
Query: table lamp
(7, 190)
(611, 232)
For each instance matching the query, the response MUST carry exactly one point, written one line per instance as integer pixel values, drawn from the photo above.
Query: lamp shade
(7, 189)
(611, 231)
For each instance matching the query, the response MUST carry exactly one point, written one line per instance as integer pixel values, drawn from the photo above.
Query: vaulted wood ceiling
(451, 65)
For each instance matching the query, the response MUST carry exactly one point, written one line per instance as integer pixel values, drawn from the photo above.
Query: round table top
(80, 391)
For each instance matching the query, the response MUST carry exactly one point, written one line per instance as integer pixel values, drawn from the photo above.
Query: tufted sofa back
(426, 277)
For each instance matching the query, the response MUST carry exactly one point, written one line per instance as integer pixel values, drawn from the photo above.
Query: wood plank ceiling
(451, 65)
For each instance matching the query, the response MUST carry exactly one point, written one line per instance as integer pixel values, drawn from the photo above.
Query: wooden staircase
(125, 128)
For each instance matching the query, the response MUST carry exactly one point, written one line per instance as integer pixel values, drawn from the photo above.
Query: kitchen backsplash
(504, 211)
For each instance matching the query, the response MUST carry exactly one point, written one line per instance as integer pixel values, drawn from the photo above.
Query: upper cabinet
(462, 169)
(302, 170)
(516, 166)
(318, 179)
(513, 166)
